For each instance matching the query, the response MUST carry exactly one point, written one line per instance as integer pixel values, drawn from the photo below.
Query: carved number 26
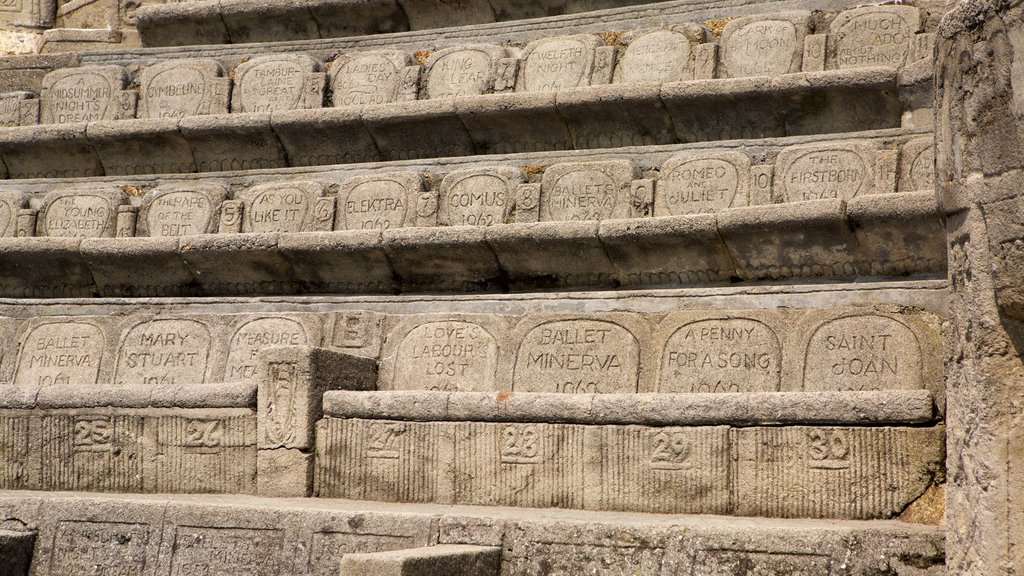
(204, 433)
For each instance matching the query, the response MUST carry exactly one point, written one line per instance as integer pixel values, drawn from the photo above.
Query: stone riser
(296, 538)
(585, 118)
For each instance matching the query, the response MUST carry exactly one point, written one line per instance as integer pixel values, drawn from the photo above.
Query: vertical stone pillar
(980, 184)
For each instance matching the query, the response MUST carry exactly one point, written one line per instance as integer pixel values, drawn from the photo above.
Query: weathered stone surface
(80, 213)
(62, 353)
(250, 336)
(917, 165)
(454, 559)
(586, 191)
(291, 206)
(183, 88)
(479, 196)
(841, 171)
(874, 36)
(363, 78)
(181, 210)
(692, 184)
(164, 351)
(16, 552)
(84, 94)
(658, 56)
(380, 202)
(554, 64)
(766, 45)
(277, 82)
(10, 203)
(18, 109)
(462, 70)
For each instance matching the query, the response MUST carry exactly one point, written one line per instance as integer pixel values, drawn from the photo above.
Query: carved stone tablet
(659, 56)
(917, 165)
(227, 551)
(10, 203)
(766, 45)
(721, 355)
(868, 352)
(181, 210)
(586, 191)
(694, 184)
(99, 547)
(277, 82)
(368, 77)
(83, 94)
(280, 206)
(825, 171)
(256, 335)
(578, 356)
(169, 352)
(87, 213)
(453, 356)
(18, 109)
(60, 354)
(558, 63)
(724, 562)
(874, 36)
(478, 196)
(179, 88)
(462, 71)
(378, 202)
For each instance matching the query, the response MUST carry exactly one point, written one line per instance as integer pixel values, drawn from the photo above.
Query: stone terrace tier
(650, 217)
(300, 538)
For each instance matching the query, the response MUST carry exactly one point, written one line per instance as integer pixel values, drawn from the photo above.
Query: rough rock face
(979, 183)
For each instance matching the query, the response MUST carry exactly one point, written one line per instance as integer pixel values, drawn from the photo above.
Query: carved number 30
(828, 446)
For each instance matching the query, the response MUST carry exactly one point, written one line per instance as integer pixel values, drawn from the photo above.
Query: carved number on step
(828, 449)
(204, 433)
(670, 449)
(93, 434)
(519, 445)
(384, 441)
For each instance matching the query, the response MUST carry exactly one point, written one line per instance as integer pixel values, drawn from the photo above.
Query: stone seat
(885, 234)
(572, 119)
(267, 537)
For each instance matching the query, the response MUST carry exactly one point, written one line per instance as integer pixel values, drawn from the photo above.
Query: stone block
(178, 88)
(29, 152)
(587, 191)
(763, 45)
(86, 94)
(250, 334)
(462, 70)
(450, 353)
(44, 268)
(616, 116)
(125, 147)
(284, 473)
(578, 354)
(278, 82)
(292, 382)
(419, 129)
(516, 122)
(350, 262)
(725, 109)
(834, 472)
(10, 203)
(700, 183)
(660, 55)
(799, 239)
(383, 202)
(286, 206)
(310, 137)
(426, 14)
(340, 18)
(18, 109)
(443, 258)
(173, 210)
(182, 23)
(238, 264)
(552, 255)
(86, 212)
(141, 267)
(557, 63)
(668, 251)
(451, 559)
(254, 21)
(841, 170)
(898, 234)
(229, 142)
(874, 36)
(376, 77)
(479, 196)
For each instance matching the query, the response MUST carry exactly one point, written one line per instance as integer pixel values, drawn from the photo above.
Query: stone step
(449, 559)
(269, 537)
(575, 118)
(887, 235)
